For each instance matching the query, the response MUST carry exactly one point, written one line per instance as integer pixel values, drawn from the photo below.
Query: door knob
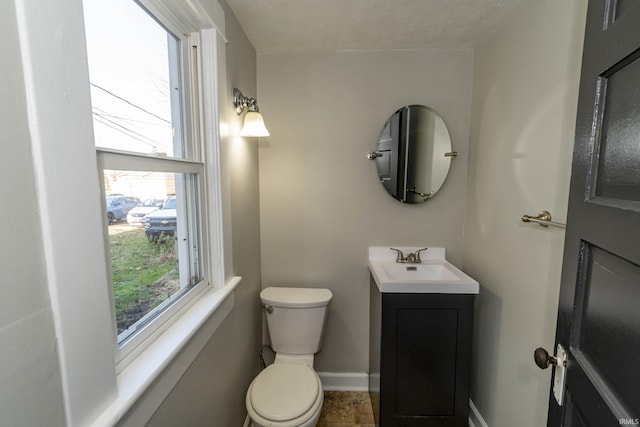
(543, 359)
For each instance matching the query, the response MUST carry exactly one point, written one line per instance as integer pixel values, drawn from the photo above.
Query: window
(144, 95)
(75, 243)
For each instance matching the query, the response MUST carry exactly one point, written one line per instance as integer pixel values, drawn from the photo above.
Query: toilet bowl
(285, 395)
(289, 393)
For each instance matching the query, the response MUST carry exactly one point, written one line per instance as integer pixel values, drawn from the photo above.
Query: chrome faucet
(412, 258)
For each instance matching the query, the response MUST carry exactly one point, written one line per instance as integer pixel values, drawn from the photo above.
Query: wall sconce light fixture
(253, 122)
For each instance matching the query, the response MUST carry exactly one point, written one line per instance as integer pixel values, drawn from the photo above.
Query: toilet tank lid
(296, 297)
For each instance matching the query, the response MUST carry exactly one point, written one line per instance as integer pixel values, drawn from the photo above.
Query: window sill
(171, 353)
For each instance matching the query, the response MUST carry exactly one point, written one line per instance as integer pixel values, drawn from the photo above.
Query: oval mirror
(413, 154)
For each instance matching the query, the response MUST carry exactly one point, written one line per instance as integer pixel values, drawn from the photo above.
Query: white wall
(524, 106)
(321, 204)
(30, 384)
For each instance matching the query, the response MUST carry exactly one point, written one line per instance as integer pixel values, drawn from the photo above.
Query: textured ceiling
(330, 25)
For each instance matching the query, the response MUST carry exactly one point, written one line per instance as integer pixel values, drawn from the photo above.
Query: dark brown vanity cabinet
(420, 358)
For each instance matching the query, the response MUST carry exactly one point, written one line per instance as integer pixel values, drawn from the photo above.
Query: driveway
(121, 227)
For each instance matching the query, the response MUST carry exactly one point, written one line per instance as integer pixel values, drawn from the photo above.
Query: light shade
(254, 125)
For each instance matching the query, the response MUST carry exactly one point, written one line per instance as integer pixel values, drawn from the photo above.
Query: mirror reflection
(413, 154)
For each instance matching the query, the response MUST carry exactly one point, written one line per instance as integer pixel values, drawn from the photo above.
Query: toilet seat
(285, 395)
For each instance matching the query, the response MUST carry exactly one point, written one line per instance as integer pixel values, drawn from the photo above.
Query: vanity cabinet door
(425, 359)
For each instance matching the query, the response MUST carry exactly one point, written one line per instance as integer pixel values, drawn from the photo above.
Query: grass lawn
(144, 274)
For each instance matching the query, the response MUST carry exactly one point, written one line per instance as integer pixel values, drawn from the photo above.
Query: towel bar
(543, 219)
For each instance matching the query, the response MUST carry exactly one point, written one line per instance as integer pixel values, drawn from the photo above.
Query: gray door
(599, 312)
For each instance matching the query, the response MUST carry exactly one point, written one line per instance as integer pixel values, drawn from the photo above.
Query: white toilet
(289, 393)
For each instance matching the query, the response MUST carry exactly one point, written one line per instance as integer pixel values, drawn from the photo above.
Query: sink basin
(422, 272)
(435, 275)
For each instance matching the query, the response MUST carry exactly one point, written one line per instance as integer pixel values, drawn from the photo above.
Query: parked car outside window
(137, 214)
(118, 207)
(161, 222)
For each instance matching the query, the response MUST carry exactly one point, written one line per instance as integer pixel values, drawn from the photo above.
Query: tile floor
(346, 408)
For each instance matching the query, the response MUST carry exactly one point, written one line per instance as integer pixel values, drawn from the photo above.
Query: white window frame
(137, 342)
(64, 158)
(186, 114)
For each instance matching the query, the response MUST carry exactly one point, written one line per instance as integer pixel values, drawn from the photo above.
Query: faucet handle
(417, 254)
(400, 257)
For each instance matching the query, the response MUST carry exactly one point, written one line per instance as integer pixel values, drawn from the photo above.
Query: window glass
(135, 79)
(153, 245)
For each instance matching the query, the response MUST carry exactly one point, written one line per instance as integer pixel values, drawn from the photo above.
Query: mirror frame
(413, 154)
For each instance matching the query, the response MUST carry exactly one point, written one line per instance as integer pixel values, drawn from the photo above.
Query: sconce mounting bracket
(240, 102)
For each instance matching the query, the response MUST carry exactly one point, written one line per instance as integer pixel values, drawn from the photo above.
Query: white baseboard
(344, 381)
(475, 418)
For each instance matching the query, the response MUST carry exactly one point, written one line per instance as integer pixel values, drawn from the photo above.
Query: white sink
(435, 275)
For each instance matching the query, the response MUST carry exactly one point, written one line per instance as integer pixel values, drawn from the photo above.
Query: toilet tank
(296, 323)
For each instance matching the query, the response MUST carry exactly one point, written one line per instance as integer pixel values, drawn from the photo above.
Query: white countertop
(434, 275)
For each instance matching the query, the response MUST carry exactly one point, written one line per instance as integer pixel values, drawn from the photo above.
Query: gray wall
(30, 384)
(524, 106)
(321, 204)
